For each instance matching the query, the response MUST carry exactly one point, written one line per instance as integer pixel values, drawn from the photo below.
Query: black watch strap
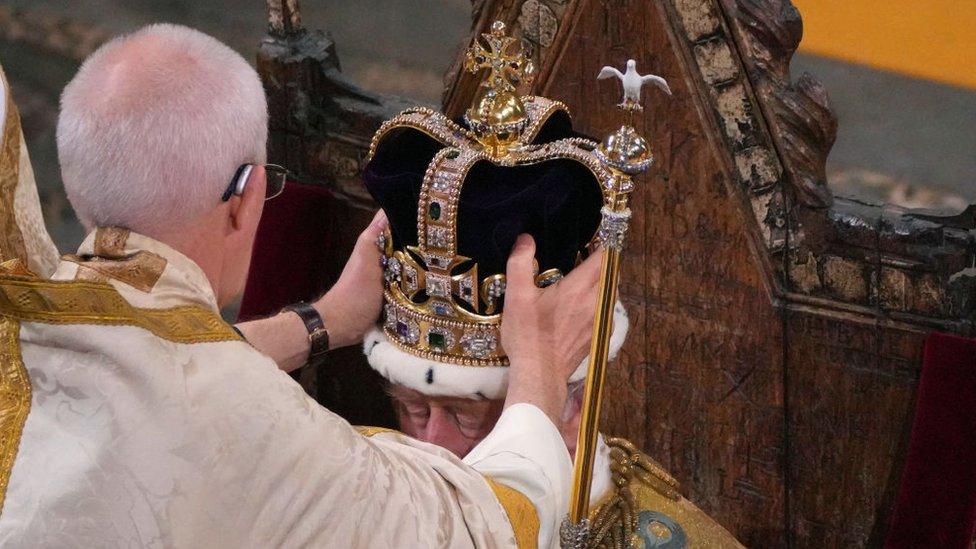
(318, 337)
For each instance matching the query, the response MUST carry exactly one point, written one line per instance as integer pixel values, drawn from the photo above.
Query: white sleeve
(526, 452)
(283, 471)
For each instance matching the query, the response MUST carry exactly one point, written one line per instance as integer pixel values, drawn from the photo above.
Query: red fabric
(292, 252)
(298, 254)
(936, 506)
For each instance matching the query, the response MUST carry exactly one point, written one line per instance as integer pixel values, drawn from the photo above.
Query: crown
(457, 196)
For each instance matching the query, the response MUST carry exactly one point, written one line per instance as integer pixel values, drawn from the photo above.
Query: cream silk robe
(151, 423)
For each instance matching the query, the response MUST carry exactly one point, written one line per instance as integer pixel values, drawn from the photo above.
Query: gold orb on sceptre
(625, 151)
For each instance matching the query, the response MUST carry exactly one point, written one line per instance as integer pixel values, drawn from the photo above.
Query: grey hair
(154, 125)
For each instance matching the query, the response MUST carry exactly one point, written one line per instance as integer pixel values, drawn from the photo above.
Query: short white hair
(154, 125)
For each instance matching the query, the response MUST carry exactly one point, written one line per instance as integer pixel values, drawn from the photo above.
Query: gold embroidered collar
(144, 270)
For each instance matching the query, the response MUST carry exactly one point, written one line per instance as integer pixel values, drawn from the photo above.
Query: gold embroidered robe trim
(141, 269)
(57, 302)
(521, 514)
(368, 430)
(110, 241)
(11, 240)
(645, 504)
(15, 399)
(86, 274)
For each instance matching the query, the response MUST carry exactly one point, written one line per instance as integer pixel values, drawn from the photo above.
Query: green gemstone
(453, 153)
(436, 340)
(434, 210)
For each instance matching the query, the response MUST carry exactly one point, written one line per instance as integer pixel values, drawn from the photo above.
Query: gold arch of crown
(456, 321)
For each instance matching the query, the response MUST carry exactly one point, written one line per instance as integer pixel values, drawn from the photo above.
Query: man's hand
(546, 331)
(350, 308)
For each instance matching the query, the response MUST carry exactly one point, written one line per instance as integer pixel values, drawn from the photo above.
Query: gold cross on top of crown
(508, 68)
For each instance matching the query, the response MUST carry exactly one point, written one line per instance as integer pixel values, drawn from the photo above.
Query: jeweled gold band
(443, 339)
(438, 204)
(443, 130)
(428, 122)
(539, 109)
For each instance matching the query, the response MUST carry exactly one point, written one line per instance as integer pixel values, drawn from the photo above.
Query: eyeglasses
(276, 176)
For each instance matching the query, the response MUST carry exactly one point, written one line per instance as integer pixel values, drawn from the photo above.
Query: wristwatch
(318, 336)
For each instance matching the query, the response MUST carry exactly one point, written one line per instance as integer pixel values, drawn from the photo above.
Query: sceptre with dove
(625, 154)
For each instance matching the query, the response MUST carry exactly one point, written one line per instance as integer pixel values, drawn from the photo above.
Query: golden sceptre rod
(625, 154)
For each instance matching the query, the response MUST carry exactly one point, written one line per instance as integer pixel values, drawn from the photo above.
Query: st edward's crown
(457, 195)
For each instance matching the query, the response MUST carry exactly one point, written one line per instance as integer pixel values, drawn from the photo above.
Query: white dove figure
(633, 82)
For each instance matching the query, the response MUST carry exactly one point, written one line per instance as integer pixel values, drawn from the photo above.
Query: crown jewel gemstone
(440, 340)
(442, 182)
(438, 286)
(438, 237)
(466, 287)
(496, 288)
(478, 343)
(408, 331)
(409, 278)
(437, 261)
(441, 308)
(393, 269)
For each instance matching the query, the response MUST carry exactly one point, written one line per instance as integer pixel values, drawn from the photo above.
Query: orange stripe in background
(932, 39)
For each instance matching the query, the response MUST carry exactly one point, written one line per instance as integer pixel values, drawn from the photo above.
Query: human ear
(246, 209)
